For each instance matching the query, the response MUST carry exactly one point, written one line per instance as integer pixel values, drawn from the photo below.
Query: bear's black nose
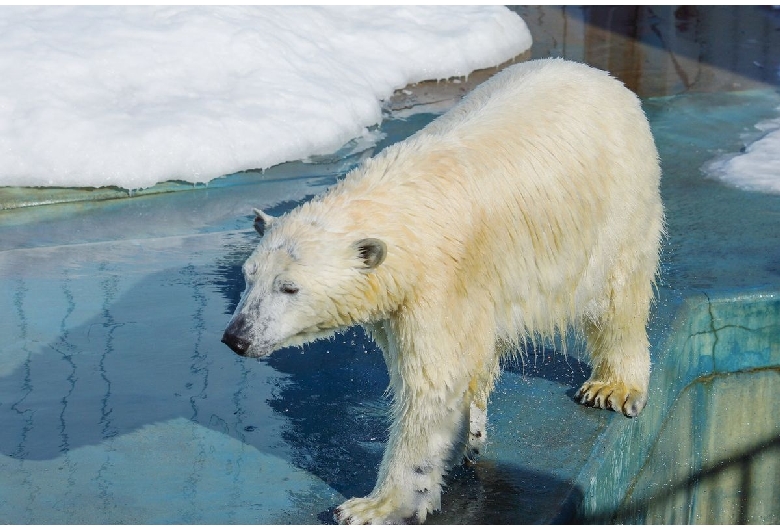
(236, 343)
(234, 336)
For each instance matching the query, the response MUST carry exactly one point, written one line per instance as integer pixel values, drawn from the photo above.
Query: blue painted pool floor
(119, 404)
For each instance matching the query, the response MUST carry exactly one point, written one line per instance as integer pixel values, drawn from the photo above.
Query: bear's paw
(616, 396)
(379, 510)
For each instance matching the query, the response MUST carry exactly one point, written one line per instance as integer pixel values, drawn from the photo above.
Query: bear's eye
(288, 288)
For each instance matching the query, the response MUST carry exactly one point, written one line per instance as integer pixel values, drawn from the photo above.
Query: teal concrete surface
(119, 404)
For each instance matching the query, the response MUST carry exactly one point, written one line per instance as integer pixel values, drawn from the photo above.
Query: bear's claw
(612, 396)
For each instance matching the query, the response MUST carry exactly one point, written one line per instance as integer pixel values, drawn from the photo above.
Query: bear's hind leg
(619, 350)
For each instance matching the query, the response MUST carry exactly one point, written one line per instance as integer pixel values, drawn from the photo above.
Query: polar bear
(531, 207)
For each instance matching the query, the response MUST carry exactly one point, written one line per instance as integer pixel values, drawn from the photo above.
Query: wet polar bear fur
(530, 207)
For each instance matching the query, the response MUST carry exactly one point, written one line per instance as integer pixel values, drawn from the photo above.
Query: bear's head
(304, 281)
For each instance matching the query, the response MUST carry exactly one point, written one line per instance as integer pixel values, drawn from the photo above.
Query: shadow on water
(549, 363)
(337, 407)
(505, 493)
(336, 403)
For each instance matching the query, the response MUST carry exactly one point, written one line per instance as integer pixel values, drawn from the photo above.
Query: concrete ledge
(707, 447)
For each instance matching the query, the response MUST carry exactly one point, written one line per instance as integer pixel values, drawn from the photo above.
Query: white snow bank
(131, 96)
(758, 167)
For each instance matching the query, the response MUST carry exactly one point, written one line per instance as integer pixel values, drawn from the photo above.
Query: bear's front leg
(619, 352)
(429, 429)
(477, 432)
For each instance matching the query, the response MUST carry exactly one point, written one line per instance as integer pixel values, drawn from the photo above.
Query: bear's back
(529, 189)
(542, 97)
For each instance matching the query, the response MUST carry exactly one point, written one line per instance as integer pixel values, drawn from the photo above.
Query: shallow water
(119, 404)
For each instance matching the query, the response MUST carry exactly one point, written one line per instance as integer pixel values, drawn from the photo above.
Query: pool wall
(707, 447)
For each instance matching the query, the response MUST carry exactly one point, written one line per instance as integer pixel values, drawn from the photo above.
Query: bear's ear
(262, 221)
(372, 252)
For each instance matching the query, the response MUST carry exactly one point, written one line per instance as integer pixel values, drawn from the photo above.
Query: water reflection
(129, 366)
(664, 50)
(335, 401)
(98, 354)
